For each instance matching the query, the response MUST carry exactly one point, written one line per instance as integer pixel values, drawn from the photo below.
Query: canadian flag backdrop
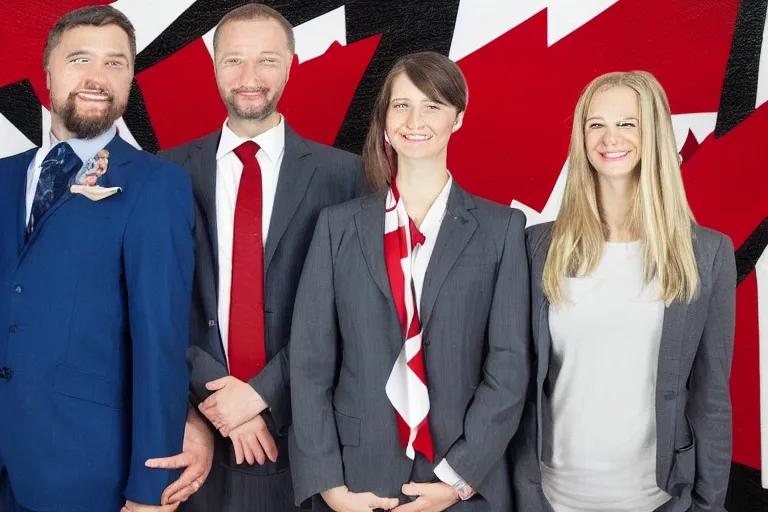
(526, 62)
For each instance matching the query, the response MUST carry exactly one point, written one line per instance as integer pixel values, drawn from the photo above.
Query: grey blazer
(346, 337)
(312, 176)
(693, 405)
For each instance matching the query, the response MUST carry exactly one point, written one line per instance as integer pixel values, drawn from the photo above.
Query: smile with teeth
(615, 155)
(416, 137)
(93, 96)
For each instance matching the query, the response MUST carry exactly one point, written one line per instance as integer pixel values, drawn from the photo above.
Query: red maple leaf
(183, 101)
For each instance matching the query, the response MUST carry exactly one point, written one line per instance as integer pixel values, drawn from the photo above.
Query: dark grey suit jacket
(312, 176)
(693, 405)
(346, 337)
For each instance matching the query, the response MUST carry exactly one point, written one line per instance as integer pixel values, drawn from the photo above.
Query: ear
(386, 138)
(458, 122)
(48, 80)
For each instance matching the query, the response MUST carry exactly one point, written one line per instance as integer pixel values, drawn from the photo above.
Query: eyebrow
(84, 53)
(425, 100)
(600, 118)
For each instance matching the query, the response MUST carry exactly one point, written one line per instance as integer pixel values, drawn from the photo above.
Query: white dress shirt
(229, 169)
(430, 228)
(85, 149)
(599, 419)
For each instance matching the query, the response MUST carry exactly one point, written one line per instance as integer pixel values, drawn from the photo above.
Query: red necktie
(247, 352)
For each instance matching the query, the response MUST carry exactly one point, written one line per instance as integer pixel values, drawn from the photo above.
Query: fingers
(239, 457)
(190, 478)
(217, 384)
(179, 461)
(247, 449)
(258, 451)
(412, 489)
(383, 503)
(267, 442)
(184, 494)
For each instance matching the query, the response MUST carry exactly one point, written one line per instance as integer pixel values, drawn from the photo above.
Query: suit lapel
(296, 172)
(457, 228)
(201, 163)
(13, 202)
(370, 229)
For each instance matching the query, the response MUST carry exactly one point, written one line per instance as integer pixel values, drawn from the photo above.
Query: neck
(615, 197)
(250, 128)
(419, 182)
(58, 129)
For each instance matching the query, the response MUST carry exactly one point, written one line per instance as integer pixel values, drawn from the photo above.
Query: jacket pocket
(348, 429)
(75, 383)
(683, 471)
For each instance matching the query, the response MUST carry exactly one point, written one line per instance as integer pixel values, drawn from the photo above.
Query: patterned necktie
(246, 350)
(55, 172)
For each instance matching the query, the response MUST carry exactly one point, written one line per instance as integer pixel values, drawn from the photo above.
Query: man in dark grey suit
(246, 225)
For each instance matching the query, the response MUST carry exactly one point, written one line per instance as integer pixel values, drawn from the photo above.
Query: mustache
(240, 90)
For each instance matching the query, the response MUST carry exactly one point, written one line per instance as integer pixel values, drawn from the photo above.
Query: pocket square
(96, 192)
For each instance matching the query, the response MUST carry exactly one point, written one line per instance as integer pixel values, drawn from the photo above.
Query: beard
(88, 127)
(253, 114)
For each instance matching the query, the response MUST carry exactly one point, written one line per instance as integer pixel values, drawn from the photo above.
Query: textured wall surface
(526, 63)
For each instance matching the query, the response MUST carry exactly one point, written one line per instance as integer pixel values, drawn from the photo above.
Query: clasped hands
(433, 497)
(234, 409)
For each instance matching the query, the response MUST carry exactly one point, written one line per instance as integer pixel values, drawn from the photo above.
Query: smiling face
(253, 60)
(417, 126)
(89, 78)
(612, 132)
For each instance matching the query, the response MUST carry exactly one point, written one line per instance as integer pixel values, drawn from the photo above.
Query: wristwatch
(464, 489)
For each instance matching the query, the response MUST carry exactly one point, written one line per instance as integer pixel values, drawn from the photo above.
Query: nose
(249, 74)
(414, 119)
(611, 136)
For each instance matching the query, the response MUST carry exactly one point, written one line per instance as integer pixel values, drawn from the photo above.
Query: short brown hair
(94, 16)
(439, 78)
(254, 12)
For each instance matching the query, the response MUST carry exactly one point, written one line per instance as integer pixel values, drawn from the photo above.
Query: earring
(386, 138)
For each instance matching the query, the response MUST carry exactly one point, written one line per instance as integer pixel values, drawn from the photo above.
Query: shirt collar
(85, 149)
(271, 141)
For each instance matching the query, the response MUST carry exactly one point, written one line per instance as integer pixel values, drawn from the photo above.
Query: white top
(229, 169)
(430, 228)
(599, 421)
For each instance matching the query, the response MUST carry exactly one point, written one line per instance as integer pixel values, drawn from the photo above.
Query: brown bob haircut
(439, 78)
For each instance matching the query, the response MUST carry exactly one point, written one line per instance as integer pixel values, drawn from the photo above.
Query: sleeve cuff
(447, 475)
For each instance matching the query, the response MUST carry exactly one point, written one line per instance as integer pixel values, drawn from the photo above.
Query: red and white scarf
(407, 384)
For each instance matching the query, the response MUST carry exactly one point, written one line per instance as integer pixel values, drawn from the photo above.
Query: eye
(232, 60)
(269, 61)
(433, 107)
(115, 63)
(80, 60)
(400, 106)
(594, 126)
(627, 124)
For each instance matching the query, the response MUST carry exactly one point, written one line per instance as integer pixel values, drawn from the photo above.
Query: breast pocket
(82, 385)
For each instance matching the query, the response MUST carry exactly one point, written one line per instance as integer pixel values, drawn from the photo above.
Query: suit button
(18, 288)
(426, 342)
(670, 395)
(13, 329)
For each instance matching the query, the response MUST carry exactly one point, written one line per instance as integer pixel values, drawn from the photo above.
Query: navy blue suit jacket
(94, 326)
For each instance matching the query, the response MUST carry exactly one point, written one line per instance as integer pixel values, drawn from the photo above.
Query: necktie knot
(246, 152)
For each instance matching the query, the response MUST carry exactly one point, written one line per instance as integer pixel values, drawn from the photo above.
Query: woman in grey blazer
(410, 344)
(633, 320)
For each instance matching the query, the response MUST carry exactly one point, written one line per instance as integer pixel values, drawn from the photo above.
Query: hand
(131, 506)
(431, 497)
(252, 440)
(233, 403)
(196, 457)
(341, 500)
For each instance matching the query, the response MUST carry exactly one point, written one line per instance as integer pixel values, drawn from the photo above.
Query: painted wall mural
(526, 63)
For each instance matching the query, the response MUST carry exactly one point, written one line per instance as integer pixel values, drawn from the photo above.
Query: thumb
(217, 384)
(383, 503)
(181, 460)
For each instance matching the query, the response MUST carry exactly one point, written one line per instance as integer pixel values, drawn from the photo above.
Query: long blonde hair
(659, 213)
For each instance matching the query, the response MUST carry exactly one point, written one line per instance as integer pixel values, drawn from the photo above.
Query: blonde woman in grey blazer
(357, 442)
(633, 308)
